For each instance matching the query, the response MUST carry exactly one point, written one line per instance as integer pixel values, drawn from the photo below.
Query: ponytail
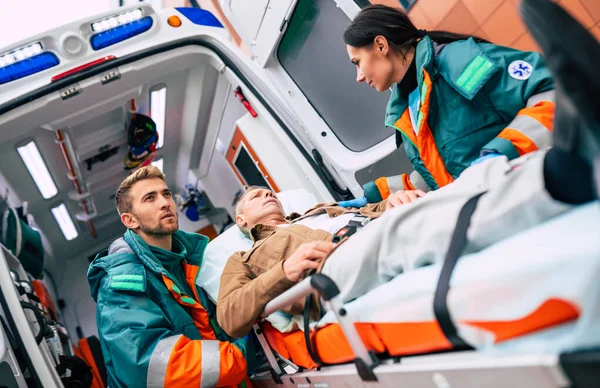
(395, 26)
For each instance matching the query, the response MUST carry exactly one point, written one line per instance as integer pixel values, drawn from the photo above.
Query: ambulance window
(248, 169)
(314, 55)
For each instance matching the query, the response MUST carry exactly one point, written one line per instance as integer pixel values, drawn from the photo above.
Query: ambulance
(285, 114)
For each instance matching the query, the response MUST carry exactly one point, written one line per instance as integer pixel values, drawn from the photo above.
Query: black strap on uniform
(457, 245)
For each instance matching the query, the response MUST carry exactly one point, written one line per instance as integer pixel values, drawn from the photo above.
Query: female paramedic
(455, 100)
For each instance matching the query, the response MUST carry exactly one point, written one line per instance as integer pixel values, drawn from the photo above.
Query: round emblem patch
(520, 70)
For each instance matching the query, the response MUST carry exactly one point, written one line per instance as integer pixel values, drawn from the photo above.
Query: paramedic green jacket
(471, 97)
(151, 332)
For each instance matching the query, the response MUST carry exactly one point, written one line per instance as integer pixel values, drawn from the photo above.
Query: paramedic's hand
(307, 257)
(402, 197)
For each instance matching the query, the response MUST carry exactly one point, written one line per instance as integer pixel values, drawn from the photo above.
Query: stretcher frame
(463, 369)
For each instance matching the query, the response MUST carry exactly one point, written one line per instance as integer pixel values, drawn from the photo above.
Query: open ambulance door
(298, 43)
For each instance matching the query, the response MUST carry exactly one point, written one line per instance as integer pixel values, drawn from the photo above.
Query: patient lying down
(519, 194)
(285, 250)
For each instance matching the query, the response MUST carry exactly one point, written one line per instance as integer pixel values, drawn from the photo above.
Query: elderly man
(251, 279)
(512, 197)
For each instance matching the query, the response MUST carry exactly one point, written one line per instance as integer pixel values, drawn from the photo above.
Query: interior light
(158, 109)
(158, 164)
(20, 54)
(129, 26)
(118, 20)
(37, 169)
(64, 221)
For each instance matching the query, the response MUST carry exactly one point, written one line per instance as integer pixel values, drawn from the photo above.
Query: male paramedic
(512, 197)
(156, 327)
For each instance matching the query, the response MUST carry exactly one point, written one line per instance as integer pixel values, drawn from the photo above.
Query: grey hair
(239, 206)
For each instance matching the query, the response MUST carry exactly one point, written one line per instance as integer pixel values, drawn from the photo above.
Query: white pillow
(298, 201)
(215, 257)
(233, 240)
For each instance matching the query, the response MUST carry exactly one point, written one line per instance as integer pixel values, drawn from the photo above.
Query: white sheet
(509, 280)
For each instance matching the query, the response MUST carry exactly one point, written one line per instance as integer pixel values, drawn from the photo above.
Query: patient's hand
(402, 197)
(307, 256)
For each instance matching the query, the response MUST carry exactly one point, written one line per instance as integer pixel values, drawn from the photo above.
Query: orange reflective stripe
(191, 273)
(197, 311)
(543, 112)
(552, 312)
(426, 144)
(405, 126)
(382, 185)
(406, 183)
(204, 363)
(232, 365)
(522, 143)
(184, 368)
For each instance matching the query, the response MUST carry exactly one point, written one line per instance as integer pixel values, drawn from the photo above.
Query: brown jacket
(252, 279)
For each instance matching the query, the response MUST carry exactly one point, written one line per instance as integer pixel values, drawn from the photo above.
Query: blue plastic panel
(27, 67)
(200, 16)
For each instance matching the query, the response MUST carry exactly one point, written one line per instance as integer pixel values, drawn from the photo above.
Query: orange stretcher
(511, 298)
(403, 339)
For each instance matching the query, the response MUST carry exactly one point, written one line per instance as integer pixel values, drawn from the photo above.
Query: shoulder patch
(478, 70)
(520, 70)
(466, 67)
(129, 277)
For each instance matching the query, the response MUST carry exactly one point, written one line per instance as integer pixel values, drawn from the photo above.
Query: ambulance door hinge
(70, 92)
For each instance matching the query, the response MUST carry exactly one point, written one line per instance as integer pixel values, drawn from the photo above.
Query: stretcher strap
(457, 245)
(309, 344)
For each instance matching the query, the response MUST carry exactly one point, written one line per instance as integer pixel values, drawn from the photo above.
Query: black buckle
(346, 231)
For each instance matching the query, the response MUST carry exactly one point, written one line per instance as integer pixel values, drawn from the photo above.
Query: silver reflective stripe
(544, 96)
(211, 364)
(157, 370)
(418, 182)
(533, 129)
(395, 183)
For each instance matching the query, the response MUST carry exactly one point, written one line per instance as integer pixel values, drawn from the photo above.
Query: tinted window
(314, 55)
(248, 169)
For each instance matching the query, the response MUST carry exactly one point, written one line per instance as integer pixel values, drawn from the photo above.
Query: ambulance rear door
(299, 45)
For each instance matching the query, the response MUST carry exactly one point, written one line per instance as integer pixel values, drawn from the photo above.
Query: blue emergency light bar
(28, 66)
(119, 34)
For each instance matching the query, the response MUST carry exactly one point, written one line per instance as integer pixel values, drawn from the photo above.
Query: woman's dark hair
(395, 26)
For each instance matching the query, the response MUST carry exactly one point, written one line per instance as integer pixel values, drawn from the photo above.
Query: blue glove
(485, 157)
(357, 202)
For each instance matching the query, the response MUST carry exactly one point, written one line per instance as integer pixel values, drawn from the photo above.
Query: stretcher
(527, 307)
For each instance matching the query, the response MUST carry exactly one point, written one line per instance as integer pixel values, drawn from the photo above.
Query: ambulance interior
(221, 128)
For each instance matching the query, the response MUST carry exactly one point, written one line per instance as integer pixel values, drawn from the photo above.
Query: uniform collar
(192, 243)
(425, 53)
